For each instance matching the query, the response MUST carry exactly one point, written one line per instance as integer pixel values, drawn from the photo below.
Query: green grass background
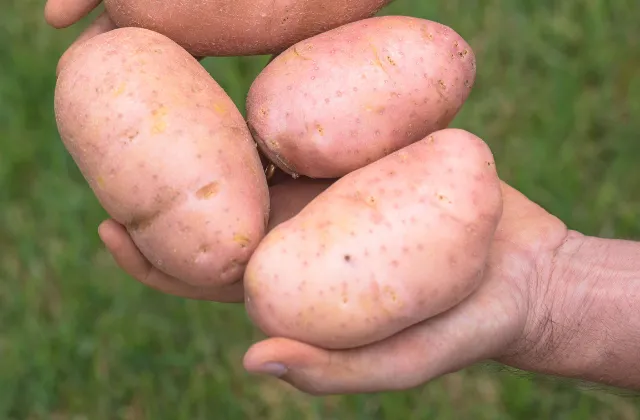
(557, 98)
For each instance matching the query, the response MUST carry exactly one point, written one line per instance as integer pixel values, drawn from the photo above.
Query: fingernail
(274, 369)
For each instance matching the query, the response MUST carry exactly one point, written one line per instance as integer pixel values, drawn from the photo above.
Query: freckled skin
(370, 268)
(239, 27)
(166, 152)
(362, 91)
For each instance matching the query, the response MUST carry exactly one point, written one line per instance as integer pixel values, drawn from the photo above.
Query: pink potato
(336, 102)
(166, 152)
(386, 247)
(239, 27)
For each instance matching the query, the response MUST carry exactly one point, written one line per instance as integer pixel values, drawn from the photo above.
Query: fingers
(126, 254)
(64, 13)
(131, 261)
(101, 25)
(474, 331)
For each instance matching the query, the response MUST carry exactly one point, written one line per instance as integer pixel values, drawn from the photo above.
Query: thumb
(478, 329)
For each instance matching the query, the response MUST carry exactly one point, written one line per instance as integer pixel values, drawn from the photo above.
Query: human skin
(552, 301)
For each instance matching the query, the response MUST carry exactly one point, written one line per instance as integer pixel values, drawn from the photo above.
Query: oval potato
(240, 27)
(166, 152)
(383, 248)
(336, 102)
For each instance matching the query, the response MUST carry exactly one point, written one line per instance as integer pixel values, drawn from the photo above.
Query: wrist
(584, 317)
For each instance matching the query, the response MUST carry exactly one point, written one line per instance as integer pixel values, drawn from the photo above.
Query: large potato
(239, 27)
(167, 153)
(343, 272)
(336, 102)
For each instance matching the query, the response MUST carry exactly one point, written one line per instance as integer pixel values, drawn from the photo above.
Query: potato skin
(334, 103)
(383, 248)
(240, 27)
(166, 152)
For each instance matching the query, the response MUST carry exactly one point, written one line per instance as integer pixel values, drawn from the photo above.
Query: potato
(166, 152)
(386, 247)
(336, 102)
(239, 27)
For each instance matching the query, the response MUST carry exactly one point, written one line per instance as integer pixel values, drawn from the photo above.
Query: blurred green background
(557, 98)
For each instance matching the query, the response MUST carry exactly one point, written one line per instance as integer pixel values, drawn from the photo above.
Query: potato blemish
(442, 197)
(377, 61)
(219, 109)
(345, 292)
(159, 123)
(403, 155)
(371, 201)
(119, 90)
(391, 294)
(297, 53)
(377, 109)
(131, 133)
(208, 191)
(426, 35)
(241, 240)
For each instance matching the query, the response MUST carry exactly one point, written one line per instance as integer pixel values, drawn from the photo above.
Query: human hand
(490, 324)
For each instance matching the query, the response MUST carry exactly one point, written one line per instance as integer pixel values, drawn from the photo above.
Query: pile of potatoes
(353, 111)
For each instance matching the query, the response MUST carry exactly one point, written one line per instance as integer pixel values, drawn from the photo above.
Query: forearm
(587, 325)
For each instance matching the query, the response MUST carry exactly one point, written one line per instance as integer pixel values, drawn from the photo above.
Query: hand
(487, 325)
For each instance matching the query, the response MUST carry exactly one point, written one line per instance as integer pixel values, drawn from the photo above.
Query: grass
(558, 100)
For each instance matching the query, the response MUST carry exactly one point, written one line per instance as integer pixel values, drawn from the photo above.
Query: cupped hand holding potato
(380, 250)
(410, 250)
